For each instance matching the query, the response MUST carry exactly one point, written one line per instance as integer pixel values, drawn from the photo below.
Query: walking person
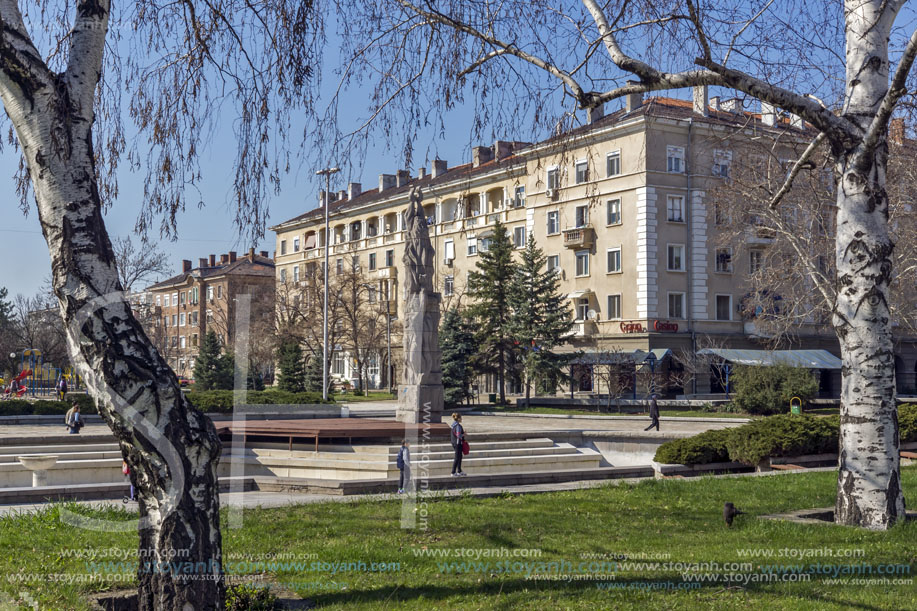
(62, 388)
(126, 470)
(72, 419)
(654, 413)
(458, 444)
(404, 465)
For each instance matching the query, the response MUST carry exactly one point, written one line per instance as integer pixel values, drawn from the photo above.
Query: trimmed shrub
(708, 447)
(15, 407)
(220, 401)
(784, 435)
(247, 597)
(768, 390)
(907, 422)
(46, 407)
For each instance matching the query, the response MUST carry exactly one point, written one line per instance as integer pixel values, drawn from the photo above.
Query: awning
(578, 294)
(810, 359)
(310, 241)
(636, 357)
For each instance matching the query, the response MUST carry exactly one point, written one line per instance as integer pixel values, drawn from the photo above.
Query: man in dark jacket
(654, 414)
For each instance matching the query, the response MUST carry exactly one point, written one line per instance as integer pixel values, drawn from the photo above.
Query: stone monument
(420, 398)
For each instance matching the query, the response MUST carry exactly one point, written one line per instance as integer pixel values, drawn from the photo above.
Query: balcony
(581, 237)
(387, 272)
(584, 328)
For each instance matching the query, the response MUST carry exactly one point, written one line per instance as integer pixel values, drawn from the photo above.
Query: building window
(675, 159)
(519, 197)
(181, 342)
(175, 341)
(582, 308)
(614, 307)
(209, 316)
(582, 215)
(449, 250)
(283, 278)
(553, 263)
(220, 291)
(582, 263)
(181, 319)
(175, 299)
(355, 263)
(174, 320)
(472, 246)
(553, 176)
(194, 342)
(283, 247)
(337, 364)
(582, 171)
(484, 246)
(194, 319)
(158, 300)
(613, 209)
(755, 261)
(720, 215)
(676, 262)
(448, 286)
(372, 261)
(724, 260)
(724, 307)
(339, 266)
(519, 237)
(676, 208)
(553, 222)
(295, 273)
(676, 305)
(166, 298)
(371, 294)
(165, 321)
(210, 288)
(614, 260)
(295, 244)
(721, 162)
(613, 164)
(182, 297)
(195, 295)
(390, 258)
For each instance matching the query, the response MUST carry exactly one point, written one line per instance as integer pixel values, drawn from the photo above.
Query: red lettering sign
(670, 327)
(632, 327)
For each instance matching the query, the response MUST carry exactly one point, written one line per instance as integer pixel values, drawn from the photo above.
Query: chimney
(402, 178)
(213, 260)
(479, 155)
(439, 167)
(353, 190)
(185, 266)
(502, 149)
(341, 195)
(797, 122)
(633, 100)
(321, 198)
(896, 130)
(251, 253)
(386, 181)
(421, 172)
(232, 256)
(715, 102)
(733, 105)
(264, 254)
(768, 114)
(700, 100)
(202, 262)
(224, 259)
(595, 113)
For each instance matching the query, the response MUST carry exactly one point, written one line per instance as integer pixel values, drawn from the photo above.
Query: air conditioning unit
(448, 261)
(551, 193)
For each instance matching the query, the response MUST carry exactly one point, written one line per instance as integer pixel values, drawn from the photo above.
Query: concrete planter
(663, 470)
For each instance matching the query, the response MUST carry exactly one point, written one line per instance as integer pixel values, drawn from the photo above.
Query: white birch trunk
(171, 448)
(868, 486)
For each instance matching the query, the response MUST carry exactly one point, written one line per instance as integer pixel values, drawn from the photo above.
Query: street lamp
(327, 172)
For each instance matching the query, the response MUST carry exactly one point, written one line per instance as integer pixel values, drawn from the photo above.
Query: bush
(46, 407)
(247, 597)
(220, 401)
(784, 435)
(768, 390)
(708, 447)
(357, 393)
(907, 422)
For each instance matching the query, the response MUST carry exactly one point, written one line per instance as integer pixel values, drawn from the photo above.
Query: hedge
(783, 435)
(46, 407)
(221, 401)
(764, 391)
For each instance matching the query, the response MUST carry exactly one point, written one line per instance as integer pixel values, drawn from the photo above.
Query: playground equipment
(37, 377)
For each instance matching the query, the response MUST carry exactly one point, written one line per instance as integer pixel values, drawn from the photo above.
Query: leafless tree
(135, 264)
(774, 52)
(614, 369)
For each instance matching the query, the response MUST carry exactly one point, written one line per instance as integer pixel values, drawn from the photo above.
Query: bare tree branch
(800, 163)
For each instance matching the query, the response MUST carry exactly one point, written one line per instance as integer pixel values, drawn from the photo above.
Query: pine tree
(292, 376)
(456, 340)
(490, 285)
(313, 374)
(540, 317)
(213, 370)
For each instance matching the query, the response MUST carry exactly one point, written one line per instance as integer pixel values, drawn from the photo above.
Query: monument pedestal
(420, 403)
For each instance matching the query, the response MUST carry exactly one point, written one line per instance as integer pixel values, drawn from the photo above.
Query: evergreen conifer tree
(207, 366)
(292, 376)
(489, 284)
(456, 339)
(313, 374)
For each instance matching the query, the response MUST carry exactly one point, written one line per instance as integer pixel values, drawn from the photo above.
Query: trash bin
(796, 405)
(492, 397)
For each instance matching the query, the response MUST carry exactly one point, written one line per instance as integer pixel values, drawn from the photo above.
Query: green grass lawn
(678, 518)
(373, 396)
(663, 411)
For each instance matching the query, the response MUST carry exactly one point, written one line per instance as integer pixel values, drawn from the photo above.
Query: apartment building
(185, 307)
(623, 208)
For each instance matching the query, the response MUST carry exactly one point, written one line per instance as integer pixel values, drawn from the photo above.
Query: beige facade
(621, 206)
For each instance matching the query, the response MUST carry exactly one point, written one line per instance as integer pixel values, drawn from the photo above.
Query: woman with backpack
(458, 444)
(404, 465)
(72, 419)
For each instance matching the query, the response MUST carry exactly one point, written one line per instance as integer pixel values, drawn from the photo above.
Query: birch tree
(536, 53)
(68, 73)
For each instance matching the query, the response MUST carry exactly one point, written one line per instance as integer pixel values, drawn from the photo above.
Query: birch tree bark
(869, 490)
(171, 448)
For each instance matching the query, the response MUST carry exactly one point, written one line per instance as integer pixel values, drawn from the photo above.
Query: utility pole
(327, 172)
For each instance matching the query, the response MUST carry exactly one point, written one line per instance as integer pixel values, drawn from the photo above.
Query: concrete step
(63, 456)
(15, 450)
